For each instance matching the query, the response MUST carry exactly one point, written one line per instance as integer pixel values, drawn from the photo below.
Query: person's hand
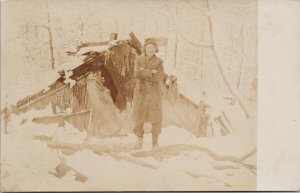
(154, 71)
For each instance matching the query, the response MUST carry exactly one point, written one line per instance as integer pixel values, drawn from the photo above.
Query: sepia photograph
(132, 95)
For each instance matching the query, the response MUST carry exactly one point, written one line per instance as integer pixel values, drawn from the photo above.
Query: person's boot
(155, 141)
(139, 143)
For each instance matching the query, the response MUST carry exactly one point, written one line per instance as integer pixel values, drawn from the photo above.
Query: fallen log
(177, 149)
(59, 116)
(248, 155)
(113, 151)
(72, 118)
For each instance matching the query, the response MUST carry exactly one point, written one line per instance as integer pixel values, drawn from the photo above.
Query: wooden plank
(40, 98)
(48, 93)
(63, 115)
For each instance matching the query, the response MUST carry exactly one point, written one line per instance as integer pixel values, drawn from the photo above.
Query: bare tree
(173, 22)
(116, 16)
(242, 55)
(211, 45)
(50, 39)
(177, 15)
(213, 49)
(238, 48)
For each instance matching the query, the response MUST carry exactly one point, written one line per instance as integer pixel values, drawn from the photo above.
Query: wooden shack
(116, 64)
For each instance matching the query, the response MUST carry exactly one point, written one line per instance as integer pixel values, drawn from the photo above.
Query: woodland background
(37, 33)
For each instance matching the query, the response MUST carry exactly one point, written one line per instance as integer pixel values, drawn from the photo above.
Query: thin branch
(17, 37)
(248, 155)
(234, 92)
(169, 10)
(47, 28)
(193, 6)
(167, 16)
(199, 175)
(202, 44)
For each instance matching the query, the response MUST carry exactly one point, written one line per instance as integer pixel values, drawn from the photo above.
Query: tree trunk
(240, 74)
(116, 16)
(213, 49)
(51, 49)
(176, 48)
(242, 55)
(50, 37)
(176, 36)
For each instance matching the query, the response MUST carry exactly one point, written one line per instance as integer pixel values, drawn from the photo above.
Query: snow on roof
(41, 81)
(73, 62)
(93, 49)
(99, 48)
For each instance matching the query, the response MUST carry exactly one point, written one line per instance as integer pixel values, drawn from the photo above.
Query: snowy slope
(183, 162)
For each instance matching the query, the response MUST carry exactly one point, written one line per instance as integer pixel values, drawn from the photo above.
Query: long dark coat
(147, 101)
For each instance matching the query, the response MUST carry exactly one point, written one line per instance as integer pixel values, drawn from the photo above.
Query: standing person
(147, 102)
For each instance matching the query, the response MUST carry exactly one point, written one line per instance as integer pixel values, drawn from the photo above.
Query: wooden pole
(113, 36)
(50, 37)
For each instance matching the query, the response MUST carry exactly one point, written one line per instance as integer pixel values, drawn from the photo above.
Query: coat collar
(149, 59)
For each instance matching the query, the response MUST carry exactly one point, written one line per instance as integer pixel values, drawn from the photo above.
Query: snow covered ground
(38, 157)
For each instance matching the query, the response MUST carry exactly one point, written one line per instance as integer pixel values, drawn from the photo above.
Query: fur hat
(150, 41)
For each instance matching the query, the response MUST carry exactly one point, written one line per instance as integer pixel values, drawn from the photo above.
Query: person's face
(150, 50)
